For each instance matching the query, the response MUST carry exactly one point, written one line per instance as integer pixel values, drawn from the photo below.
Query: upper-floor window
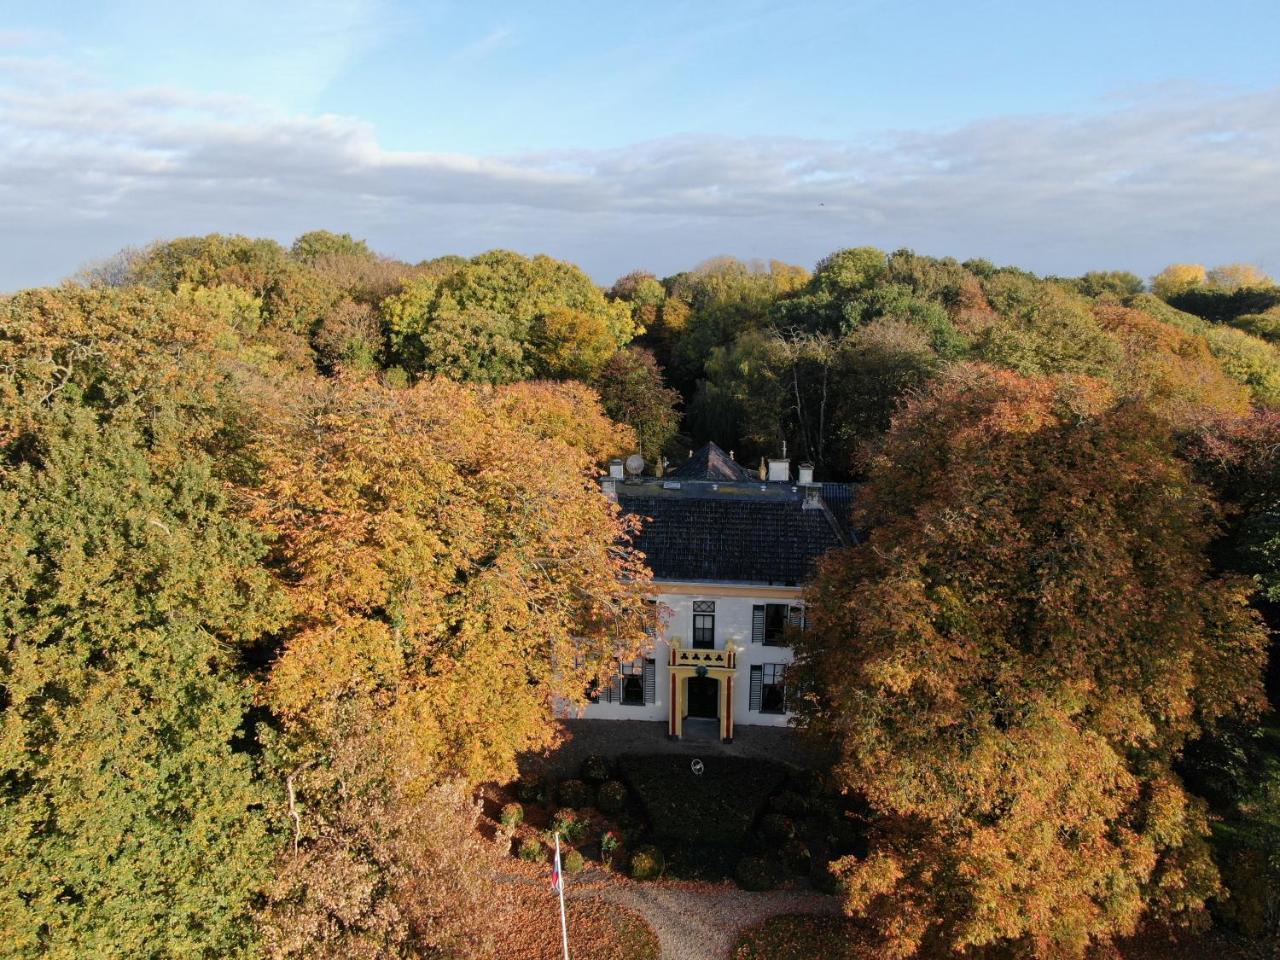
(770, 621)
(704, 624)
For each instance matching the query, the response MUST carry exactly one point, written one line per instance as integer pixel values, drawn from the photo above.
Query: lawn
(598, 930)
(798, 936)
(716, 808)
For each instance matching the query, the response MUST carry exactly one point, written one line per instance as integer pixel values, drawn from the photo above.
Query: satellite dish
(635, 464)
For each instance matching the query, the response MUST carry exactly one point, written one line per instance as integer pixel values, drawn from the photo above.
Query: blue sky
(1062, 137)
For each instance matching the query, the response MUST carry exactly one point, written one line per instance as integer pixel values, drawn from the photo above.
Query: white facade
(736, 626)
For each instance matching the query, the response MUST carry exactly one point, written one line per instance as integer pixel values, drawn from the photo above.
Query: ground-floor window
(634, 686)
(769, 688)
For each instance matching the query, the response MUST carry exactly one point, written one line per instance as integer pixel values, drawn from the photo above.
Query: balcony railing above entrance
(682, 656)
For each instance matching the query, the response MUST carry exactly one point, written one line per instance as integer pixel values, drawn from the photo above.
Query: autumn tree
(1178, 278)
(456, 575)
(633, 392)
(1236, 276)
(131, 821)
(1013, 661)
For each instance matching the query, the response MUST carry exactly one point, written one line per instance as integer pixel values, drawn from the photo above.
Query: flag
(557, 881)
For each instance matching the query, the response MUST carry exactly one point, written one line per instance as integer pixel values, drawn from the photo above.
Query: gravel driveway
(703, 923)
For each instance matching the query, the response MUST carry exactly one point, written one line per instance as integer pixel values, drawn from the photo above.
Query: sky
(1060, 137)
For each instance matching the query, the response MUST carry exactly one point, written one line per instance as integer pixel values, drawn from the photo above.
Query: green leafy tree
(493, 308)
(131, 824)
(317, 244)
(632, 391)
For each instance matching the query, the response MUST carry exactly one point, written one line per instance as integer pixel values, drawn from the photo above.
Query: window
(769, 688)
(770, 621)
(634, 686)
(704, 624)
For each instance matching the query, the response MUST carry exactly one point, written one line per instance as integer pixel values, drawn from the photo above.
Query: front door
(704, 697)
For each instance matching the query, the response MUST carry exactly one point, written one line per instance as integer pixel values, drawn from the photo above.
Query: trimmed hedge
(647, 863)
(571, 860)
(757, 873)
(511, 815)
(595, 769)
(611, 798)
(531, 850)
(777, 828)
(573, 793)
(797, 857)
(530, 790)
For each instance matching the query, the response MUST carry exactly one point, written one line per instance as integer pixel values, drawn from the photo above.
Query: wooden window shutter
(795, 618)
(650, 682)
(757, 682)
(757, 623)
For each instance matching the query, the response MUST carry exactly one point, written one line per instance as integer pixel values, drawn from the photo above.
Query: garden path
(702, 922)
(693, 921)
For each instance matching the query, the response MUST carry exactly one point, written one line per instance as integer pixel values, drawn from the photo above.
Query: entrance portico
(701, 685)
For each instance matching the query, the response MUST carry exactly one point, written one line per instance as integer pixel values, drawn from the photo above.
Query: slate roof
(740, 530)
(711, 463)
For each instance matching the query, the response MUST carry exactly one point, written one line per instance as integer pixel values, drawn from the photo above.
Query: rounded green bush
(757, 873)
(571, 825)
(530, 790)
(611, 797)
(647, 863)
(571, 861)
(511, 815)
(796, 856)
(573, 793)
(789, 804)
(777, 828)
(531, 850)
(595, 769)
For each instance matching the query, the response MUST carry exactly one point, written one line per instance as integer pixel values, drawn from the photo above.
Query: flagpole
(564, 926)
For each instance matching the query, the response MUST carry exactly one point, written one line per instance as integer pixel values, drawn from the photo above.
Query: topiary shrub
(511, 815)
(571, 861)
(531, 850)
(611, 797)
(530, 790)
(595, 769)
(777, 828)
(757, 873)
(647, 863)
(571, 825)
(573, 793)
(789, 804)
(797, 857)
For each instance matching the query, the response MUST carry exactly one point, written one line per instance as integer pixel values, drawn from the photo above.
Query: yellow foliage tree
(1178, 278)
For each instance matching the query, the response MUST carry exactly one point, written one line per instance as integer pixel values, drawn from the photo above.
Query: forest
(303, 545)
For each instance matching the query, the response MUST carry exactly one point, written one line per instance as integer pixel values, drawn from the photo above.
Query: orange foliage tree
(455, 575)
(1012, 663)
(449, 563)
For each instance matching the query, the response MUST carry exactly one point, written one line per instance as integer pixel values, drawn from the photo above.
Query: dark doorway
(704, 697)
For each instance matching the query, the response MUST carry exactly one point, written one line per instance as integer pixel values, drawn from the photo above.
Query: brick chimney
(779, 470)
(616, 469)
(806, 474)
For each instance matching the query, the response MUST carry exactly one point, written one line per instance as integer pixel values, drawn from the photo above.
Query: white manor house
(730, 553)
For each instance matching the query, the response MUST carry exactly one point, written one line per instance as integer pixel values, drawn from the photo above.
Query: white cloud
(85, 169)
